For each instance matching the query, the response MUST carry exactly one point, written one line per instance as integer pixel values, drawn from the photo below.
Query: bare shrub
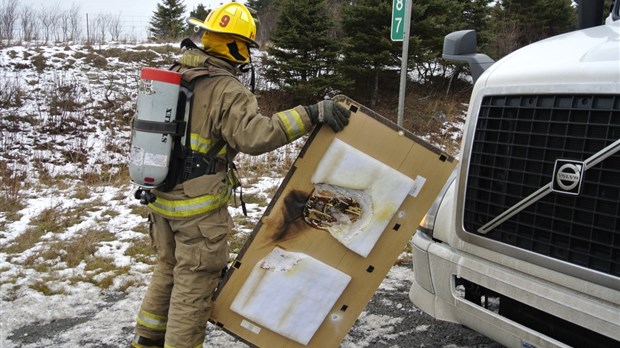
(48, 18)
(65, 25)
(115, 29)
(275, 163)
(100, 28)
(106, 174)
(125, 55)
(508, 35)
(54, 219)
(92, 178)
(39, 62)
(11, 92)
(65, 95)
(118, 175)
(39, 163)
(431, 113)
(167, 54)
(76, 152)
(94, 59)
(82, 191)
(75, 22)
(29, 24)
(8, 17)
(12, 197)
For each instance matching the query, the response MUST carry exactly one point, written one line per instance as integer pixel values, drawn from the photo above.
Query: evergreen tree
(303, 56)
(200, 12)
(517, 23)
(432, 20)
(266, 14)
(368, 51)
(167, 21)
(476, 15)
(259, 4)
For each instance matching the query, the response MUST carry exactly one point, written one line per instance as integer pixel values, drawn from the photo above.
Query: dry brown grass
(43, 287)
(24, 241)
(81, 247)
(12, 196)
(236, 242)
(141, 210)
(141, 251)
(72, 109)
(428, 109)
(51, 219)
(106, 174)
(242, 222)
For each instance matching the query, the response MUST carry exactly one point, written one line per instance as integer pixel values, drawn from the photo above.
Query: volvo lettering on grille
(567, 176)
(544, 190)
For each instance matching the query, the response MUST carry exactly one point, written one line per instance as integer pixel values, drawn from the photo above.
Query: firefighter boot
(143, 342)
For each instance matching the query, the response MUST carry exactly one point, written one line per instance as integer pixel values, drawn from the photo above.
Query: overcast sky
(135, 14)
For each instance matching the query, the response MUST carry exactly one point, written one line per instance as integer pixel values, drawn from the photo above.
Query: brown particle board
(283, 226)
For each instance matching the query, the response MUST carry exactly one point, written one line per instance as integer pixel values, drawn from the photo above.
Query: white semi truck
(523, 243)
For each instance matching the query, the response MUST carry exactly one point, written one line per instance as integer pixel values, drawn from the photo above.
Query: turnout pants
(191, 255)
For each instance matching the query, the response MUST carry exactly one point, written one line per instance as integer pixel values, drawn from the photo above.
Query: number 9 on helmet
(232, 19)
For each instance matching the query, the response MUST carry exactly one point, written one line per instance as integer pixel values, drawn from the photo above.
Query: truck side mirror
(461, 46)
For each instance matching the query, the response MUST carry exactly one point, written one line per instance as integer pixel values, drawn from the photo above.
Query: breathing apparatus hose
(145, 196)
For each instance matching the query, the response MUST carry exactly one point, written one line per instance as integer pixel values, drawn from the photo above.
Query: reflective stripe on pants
(191, 254)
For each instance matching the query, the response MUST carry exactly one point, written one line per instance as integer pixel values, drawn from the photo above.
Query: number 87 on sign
(398, 19)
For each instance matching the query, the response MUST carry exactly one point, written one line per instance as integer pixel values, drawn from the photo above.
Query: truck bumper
(437, 266)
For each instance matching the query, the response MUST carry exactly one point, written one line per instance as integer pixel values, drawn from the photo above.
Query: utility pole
(401, 24)
(87, 30)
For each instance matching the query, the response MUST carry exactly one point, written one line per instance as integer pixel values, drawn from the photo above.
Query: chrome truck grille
(544, 176)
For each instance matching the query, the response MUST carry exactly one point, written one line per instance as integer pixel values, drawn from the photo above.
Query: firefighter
(190, 224)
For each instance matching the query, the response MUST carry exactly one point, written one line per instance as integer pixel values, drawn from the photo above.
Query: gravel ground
(389, 320)
(408, 326)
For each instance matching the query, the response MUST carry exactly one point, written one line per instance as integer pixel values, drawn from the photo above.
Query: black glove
(328, 111)
(188, 43)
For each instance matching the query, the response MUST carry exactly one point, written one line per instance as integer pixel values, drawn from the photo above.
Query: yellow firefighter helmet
(233, 19)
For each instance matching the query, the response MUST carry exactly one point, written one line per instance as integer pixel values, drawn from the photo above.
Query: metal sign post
(401, 24)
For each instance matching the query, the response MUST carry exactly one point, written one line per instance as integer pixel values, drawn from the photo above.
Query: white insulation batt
(345, 166)
(290, 293)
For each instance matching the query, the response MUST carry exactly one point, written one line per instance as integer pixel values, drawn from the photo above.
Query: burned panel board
(345, 211)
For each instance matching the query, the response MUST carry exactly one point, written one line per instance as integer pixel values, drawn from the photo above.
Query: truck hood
(585, 56)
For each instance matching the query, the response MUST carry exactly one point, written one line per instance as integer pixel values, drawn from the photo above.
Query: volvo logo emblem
(567, 176)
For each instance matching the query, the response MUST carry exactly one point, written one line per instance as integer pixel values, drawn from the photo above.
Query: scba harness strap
(187, 163)
(192, 155)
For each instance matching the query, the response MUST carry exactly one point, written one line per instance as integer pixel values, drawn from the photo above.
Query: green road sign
(398, 20)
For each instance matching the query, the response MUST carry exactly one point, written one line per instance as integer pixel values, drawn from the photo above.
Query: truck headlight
(427, 225)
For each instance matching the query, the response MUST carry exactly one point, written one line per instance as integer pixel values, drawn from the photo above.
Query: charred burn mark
(292, 215)
(326, 208)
